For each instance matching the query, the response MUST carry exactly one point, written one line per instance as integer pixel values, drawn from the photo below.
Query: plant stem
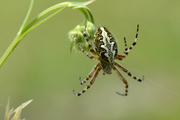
(15, 41)
(56, 8)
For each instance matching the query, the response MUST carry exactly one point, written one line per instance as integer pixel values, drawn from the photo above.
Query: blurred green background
(41, 67)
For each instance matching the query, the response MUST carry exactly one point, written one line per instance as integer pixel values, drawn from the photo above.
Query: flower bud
(76, 36)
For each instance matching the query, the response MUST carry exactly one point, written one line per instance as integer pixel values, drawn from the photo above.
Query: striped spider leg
(123, 79)
(106, 51)
(127, 50)
(126, 71)
(94, 72)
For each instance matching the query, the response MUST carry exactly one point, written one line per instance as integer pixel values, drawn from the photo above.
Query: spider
(106, 51)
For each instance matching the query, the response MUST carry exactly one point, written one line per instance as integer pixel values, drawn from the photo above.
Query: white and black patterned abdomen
(105, 45)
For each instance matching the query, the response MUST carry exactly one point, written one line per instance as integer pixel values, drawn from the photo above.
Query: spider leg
(89, 85)
(127, 50)
(91, 57)
(90, 74)
(120, 57)
(125, 44)
(124, 80)
(134, 43)
(90, 46)
(126, 71)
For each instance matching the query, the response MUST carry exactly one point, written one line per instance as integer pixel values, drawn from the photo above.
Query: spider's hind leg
(90, 46)
(126, 71)
(127, 50)
(91, 57)
(125, 45)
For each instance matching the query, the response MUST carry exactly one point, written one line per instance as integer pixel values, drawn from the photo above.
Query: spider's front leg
(90, 74)
(124, 80)
(89, 85)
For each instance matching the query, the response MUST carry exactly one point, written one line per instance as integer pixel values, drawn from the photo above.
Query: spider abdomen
(105, 44)
(106, 48)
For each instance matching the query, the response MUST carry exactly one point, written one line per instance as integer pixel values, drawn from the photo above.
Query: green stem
(85, 14)
(27, 17)
(31, 28)
(91, 16)
(15, 41)
(56, 8)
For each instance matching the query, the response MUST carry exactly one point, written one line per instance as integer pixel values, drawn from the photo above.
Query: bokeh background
(41, 66)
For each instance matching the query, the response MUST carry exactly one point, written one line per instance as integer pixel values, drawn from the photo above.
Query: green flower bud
(76, 36)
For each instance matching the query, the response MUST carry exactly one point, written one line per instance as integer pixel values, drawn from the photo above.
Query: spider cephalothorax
(106, 52)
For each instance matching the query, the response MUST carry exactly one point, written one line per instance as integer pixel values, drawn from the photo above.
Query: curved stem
(91, 16)
(15, 41)
(31, 28)
(27, 17)
(26, 29)
(85, 14)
